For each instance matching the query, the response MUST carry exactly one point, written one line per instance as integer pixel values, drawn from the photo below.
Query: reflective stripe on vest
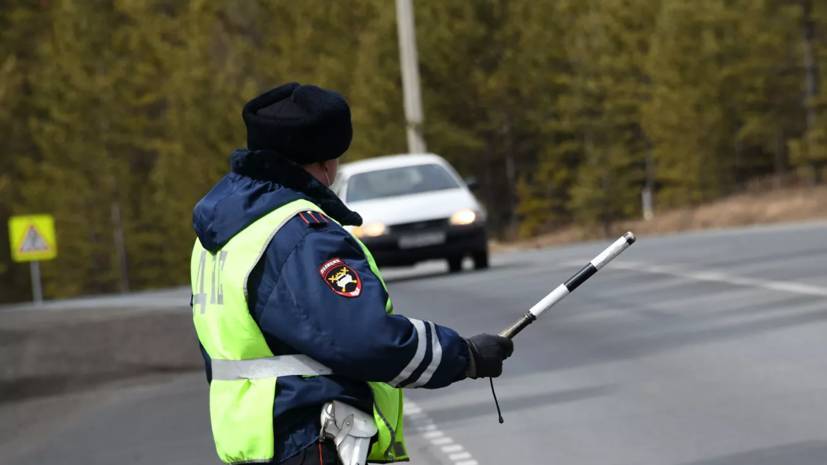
(245, 371)
(269, 367)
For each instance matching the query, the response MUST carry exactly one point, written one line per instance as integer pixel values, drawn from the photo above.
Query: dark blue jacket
(298, 312)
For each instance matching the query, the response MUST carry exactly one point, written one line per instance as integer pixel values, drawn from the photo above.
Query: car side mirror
(472, 183)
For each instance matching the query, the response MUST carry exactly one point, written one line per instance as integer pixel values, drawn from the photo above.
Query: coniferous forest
(116, 116)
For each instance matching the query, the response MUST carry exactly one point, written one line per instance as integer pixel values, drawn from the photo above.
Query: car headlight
(369, 230)
(463, 217)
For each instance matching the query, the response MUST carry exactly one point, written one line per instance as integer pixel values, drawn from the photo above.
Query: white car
(415, 207)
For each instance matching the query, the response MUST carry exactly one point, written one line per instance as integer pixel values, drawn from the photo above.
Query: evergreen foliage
(116, 116)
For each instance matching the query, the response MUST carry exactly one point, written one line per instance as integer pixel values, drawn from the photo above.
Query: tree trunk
(810, 65)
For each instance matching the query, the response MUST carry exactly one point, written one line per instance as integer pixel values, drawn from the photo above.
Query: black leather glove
(487, 355)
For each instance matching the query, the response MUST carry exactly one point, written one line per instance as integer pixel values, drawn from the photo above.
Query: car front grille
(417, 226)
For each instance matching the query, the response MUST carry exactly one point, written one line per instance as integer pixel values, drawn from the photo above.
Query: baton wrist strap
(496, 402)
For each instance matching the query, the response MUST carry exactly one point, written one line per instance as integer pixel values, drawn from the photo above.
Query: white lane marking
(425, 427)
(721, 277)
(413, 409)
(422, 424)
(452, 448)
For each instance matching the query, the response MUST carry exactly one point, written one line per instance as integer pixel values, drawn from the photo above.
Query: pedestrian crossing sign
(32, 238)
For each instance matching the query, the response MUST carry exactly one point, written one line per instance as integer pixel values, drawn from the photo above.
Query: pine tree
(610, 43)
(686, 118)
(596, 151)
(74, 175)
(485, 90)
(766, 86)
(809, 152)
(21, 25)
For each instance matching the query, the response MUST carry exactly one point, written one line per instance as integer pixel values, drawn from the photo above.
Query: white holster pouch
(351, 430)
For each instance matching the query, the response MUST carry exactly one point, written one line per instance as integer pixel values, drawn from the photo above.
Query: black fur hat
(304, 123)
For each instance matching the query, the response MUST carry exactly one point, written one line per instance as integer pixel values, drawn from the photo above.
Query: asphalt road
(694, 349)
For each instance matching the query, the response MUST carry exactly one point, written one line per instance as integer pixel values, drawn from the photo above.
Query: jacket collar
(268, 165)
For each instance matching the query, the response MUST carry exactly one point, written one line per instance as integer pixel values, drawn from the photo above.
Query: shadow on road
(798, 453)
(512, 404)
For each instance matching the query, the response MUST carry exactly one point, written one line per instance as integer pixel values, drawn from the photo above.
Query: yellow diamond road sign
(32, 237)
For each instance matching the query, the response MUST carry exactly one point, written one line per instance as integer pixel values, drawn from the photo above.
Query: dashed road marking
(721, 277)
(452, 448)
(422, 425)
(425, 427)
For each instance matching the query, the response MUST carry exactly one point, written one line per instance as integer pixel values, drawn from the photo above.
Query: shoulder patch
(340, 278)
(314, 219)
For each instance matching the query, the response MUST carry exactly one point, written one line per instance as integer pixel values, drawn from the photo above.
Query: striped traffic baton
(570, 285)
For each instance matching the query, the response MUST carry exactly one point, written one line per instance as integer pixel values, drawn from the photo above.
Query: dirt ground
(757, 206)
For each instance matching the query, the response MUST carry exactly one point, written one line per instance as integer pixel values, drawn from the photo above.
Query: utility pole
(410, 76)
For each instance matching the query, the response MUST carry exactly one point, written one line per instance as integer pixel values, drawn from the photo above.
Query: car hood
(415, 207)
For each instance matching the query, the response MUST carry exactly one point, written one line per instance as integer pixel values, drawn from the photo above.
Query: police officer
(290, 309)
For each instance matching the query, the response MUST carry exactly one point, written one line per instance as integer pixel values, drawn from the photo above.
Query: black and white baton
(570, 285)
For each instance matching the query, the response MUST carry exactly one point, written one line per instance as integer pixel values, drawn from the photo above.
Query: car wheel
(455, 264)
(480, 260)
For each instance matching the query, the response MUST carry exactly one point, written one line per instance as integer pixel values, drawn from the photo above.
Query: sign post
(32, 239)
(37, 287)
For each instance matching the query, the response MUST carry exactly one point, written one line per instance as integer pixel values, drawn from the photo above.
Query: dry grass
(755, 207)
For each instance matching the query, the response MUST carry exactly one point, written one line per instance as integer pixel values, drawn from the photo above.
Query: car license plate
(421, 240)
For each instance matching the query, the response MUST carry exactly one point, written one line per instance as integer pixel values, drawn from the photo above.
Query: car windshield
(399, 181)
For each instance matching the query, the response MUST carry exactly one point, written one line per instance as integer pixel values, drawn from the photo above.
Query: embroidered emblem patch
(340, 278)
